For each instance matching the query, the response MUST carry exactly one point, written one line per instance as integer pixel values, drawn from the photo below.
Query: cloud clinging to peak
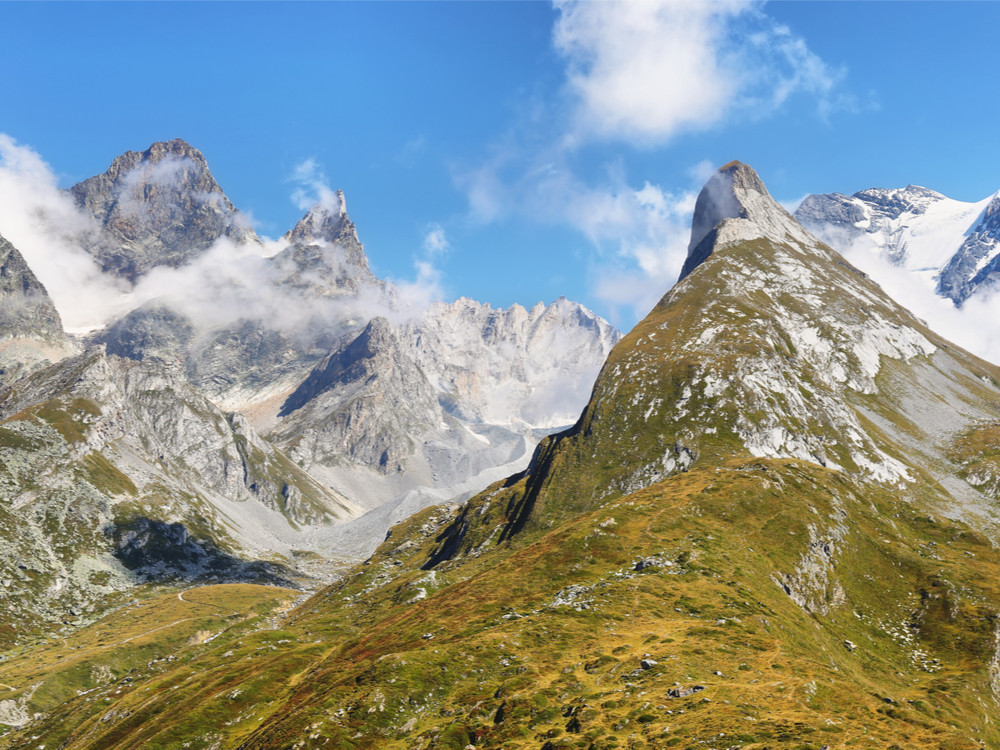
(312, 187)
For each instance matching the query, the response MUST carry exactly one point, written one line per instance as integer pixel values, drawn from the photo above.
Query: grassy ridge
(812, 610)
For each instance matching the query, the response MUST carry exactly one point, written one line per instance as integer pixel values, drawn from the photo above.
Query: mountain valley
(237, 423)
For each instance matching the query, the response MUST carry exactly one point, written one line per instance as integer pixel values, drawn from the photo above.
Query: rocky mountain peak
(735, 198)
(772, 347)
(324, 252)
(327, 221)
(25, 306)
(158, 207)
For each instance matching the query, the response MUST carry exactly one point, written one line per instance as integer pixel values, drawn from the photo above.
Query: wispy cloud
(640, 73)
(44, 223)
(227, 283)
(312, 187)
(435, 240)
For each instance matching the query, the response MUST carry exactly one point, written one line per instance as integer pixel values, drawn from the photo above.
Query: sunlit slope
(772, 526)
(147, 634)
(808, 606)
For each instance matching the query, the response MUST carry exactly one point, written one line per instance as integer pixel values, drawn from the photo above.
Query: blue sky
(519, 150)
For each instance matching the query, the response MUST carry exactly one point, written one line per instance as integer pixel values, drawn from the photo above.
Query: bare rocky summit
(158, 207)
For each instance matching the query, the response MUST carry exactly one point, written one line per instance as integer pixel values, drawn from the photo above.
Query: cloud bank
(227, 283)
(972, 326)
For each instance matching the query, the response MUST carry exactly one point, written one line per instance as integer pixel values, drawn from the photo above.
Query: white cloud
(640, 72)
(972, 326)
(313, 187)
(225, 284)
(648, 70)
(435, 241)
(43, 223)
(417, 294)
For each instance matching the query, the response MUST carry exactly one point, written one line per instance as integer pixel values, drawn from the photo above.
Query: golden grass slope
(813, 610)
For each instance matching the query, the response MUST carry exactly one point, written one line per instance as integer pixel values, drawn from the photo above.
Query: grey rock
(719, 200)
(366, 402)
(684, 692)
(976, 263)
(25, 306)
(324, 252)
(31, 332)
(158, 207)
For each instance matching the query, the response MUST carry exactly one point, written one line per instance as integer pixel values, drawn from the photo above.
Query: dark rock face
(966, 271)
(25, 306)
(158, 207)
(151, 332)
(159, 551)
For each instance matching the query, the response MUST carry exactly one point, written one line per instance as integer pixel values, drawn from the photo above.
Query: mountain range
(951, 245)
(240, 420)
(773, 524)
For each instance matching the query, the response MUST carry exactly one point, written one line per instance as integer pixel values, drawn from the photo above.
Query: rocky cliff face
(953, 245)
(31, 332)
(158, 207)
(976, 264)
(104, 459)
(25, 306)
(514, 365)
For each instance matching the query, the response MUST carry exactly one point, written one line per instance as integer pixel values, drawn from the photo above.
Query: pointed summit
(327, 221)
(158, 207)
(733, 206)
(324, 252)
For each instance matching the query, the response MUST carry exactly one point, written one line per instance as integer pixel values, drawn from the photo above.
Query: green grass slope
(811, 609)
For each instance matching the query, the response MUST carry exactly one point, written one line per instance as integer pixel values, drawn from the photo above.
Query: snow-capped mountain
(952, 245)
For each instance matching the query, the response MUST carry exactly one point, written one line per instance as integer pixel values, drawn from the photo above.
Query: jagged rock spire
(324, 249)
(327, 221)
